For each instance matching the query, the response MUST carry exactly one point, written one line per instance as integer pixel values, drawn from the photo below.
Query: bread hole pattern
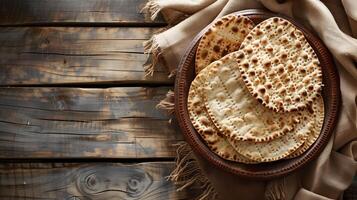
(318, 118)
(248, 119)
(206, 128)
(287, 59)
(223, 37)
(277, 148)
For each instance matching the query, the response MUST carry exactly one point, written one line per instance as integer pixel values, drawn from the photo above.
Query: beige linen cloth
(335, 22)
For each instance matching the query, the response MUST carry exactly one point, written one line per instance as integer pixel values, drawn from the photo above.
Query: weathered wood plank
(84, 123)
(97, 181)
(116, 12)
(58, 55)
(75, 181)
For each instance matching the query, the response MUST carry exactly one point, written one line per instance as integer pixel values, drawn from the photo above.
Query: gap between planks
(76, 56)
(66, 123)
(68, 12)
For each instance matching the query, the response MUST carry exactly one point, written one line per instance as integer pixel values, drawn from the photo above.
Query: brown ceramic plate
(331, 95)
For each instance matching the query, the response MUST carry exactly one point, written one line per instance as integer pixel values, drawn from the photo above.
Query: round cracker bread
(279, 66)
(235, 112)
(225, 36)
(276, 149)
(316, 130)
(205, 127)
(286, 145)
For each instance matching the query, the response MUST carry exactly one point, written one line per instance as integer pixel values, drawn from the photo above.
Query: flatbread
(276, 149)
(225, 36)
(303, 133)
(316, 130)
(205, 127)
(235, 112)
(279, 66)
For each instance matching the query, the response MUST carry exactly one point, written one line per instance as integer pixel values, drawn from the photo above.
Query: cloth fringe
(168, 104)
(276, 190)
(151, 48)
(188, 173)
(172, 73)
(151, 9)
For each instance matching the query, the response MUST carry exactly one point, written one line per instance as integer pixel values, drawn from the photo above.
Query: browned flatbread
(289, 145)
(279, 66)
(201, 121)
(225, 36)
(235, 112)
(318, 116)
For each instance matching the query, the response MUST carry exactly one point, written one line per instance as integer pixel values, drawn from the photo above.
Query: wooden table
(77, 114)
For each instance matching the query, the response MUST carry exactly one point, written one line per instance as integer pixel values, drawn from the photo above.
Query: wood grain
(85, 123)
(40, 12)
(58, 55)
(96, 181)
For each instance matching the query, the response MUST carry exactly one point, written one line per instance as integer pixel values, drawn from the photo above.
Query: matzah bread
(314, 134)
(279, 66)
(225, 36)
(291, 143)
(235, 112)
(276, 149)
(205, 127)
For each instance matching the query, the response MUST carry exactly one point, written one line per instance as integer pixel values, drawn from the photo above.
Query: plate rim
(330, 119)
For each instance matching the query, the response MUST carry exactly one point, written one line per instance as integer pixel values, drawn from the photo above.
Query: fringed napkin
(335, 22)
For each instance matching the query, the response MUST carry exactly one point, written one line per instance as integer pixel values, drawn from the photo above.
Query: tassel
(168, 104)
(276, 190)
(187, 173)
(152, 9)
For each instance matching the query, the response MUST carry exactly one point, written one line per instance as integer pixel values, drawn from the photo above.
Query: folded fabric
(335, 22)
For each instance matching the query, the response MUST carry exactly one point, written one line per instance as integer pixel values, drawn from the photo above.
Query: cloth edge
(168, 103)
(188, 173)
(151, 9)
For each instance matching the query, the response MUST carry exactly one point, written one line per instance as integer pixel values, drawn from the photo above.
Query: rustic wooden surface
(85, 123)
(67, 55)
(97, 181)
(69, 12)
(79, 120)
(59, 140)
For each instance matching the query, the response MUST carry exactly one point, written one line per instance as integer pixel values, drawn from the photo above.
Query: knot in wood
(138, 184)
(91, 182)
